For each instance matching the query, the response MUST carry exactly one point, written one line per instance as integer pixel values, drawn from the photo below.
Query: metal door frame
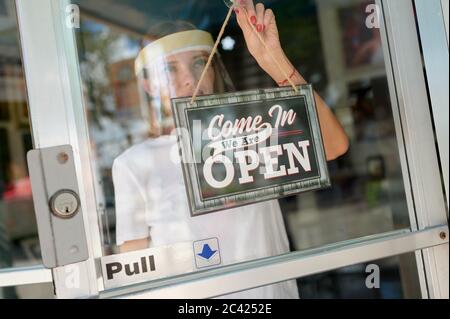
(54, 88)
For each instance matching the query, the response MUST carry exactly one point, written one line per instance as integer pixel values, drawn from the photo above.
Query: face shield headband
(172, 44)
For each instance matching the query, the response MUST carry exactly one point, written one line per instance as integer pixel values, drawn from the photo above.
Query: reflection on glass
(389, 278)
(34, 291)
(19, 242)
(127, 108)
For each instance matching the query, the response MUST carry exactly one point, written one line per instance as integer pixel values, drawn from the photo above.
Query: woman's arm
(335, 140)
(133, 245)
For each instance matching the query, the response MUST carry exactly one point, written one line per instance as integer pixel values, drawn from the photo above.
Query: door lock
(59, 214)
(65, 203)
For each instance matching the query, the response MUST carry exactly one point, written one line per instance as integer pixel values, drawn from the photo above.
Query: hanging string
(213, 52)
(211, 55)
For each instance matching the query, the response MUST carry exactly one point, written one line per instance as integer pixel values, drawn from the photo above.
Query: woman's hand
(257, 19)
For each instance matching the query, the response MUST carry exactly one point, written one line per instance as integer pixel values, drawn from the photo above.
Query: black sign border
(197, 205)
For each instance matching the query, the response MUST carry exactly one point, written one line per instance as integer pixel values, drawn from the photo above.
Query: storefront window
(19, 242)
(336, 47)
(33, 291)
(388, 278)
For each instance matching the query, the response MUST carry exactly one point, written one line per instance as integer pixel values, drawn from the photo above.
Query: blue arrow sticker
(207, 252)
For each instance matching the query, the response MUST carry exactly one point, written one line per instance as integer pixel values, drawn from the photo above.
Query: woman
(151, 204)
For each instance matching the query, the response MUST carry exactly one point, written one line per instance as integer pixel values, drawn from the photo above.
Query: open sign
(245, 147)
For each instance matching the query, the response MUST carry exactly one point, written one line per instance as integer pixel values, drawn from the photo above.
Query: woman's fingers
(242, 21)
(264, 18)
(269, 17)
(259, 17)
(248, 5)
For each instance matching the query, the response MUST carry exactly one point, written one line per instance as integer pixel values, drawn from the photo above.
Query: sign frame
(199, 206)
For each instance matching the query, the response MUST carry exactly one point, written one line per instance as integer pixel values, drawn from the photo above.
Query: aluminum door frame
(54, 87)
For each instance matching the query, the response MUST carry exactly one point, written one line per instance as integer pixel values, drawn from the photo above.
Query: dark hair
(162, 29)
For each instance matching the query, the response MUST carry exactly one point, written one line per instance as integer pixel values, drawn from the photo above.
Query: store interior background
(327, 40)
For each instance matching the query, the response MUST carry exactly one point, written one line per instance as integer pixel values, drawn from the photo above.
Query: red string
(287, 80)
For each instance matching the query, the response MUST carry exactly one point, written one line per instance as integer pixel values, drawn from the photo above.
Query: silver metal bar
(396, 98)
(435, 53)
(445, 10)
(19, 276)
(58, 118)
(403, 79)
(425, 180)
(243, 276)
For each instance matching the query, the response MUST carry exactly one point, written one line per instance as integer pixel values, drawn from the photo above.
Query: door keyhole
(64, 203)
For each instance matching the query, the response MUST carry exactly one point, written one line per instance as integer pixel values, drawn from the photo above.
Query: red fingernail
(253, 20)
(236, 10)
(259, 28)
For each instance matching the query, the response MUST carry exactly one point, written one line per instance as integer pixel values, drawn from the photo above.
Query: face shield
(171, 67)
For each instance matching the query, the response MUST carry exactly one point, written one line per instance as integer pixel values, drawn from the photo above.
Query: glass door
(90, 89)
(22, 274)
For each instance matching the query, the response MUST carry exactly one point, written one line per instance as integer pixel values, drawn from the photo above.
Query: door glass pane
(334, 45)
(19, 244)
(33, 291)
(388, 278)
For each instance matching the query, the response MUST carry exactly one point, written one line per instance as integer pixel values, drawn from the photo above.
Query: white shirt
(151, 202)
